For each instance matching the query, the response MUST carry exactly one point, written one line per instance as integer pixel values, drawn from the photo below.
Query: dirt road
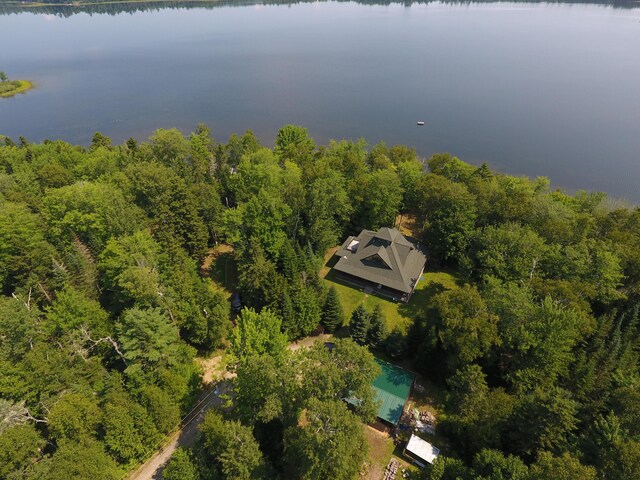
(185, 437)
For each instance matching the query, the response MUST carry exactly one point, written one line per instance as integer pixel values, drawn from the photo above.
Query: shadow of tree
(420, 301)
(224, 270)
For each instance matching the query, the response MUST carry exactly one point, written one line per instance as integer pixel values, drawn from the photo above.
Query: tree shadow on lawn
(421, 300)
(224, 270)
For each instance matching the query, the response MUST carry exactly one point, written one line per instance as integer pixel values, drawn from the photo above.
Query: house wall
(363, 285)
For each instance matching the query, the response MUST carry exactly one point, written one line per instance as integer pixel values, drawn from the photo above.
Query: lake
(534, 89)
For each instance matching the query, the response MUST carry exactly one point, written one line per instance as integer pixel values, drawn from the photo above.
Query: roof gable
(384, 257)
(379, 258)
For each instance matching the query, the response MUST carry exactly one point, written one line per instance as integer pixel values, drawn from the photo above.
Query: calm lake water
(535, 89)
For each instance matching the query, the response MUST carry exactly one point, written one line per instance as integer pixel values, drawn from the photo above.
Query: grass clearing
(380, 450)
(220, 266)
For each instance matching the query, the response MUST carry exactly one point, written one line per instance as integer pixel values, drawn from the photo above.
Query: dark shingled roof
(384, 257)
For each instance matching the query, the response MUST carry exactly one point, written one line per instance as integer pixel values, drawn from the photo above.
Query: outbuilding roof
(392, 388)
(422, 449)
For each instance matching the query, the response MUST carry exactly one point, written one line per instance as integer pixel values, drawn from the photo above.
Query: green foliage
(169, 204)
(332, 311)
(373, 211)
(328, 442)
(377, 333)
(98, 140)
(508, 252)
(494, 465)
(180, 467)
(74, 417)
(306, 313)
(129, 431)
(18, 328)
(622, 461)
(447, 468)
(293, 143)
(443, 164)
(543, 420)
(164, 412)
(77, 461)
(20, 446)
(538, 337)
(481, 414)
(328, 209)
(565, 467)
(257, 334)
(260, 219)
(346, 371)
(359, 325)
(232, 446)
(447, 212)
(148, 337)
(71, 309)
(92, 212)
(258, 279)
(25, 256)
(466, 328)
(130, 267)
(103, 257)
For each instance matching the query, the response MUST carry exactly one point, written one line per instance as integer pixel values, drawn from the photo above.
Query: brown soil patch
(308, 342)
(213, 369)
(407, 225)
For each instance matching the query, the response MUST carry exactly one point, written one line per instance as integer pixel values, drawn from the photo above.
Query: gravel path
(184, 437)
(187, 434)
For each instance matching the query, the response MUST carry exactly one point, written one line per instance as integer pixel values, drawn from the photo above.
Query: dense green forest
(105, 306)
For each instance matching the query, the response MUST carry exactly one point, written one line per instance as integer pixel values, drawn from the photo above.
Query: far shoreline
(22, 87)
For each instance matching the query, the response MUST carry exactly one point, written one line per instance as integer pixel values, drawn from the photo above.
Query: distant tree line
(64, 8)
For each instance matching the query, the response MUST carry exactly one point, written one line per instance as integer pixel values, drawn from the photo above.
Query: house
(384, 261)
(421, 451)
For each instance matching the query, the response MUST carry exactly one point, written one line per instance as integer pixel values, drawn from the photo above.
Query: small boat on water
(421, 124)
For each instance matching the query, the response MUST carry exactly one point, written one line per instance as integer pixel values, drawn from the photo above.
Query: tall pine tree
(378, 328)
(359, 325)
(332, 314)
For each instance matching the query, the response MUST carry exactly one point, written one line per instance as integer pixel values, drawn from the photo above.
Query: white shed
(421, 450)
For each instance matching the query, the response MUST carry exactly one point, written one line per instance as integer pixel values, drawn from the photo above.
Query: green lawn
(380, 450)
(397, 314)
(220, 266)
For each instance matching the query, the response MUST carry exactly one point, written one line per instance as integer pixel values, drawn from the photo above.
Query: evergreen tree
(396, 343)
(378, 328)
(332, 313)
(359, 325)
(307, 311)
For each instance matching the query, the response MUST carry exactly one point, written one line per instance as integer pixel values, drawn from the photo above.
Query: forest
(106, 305)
